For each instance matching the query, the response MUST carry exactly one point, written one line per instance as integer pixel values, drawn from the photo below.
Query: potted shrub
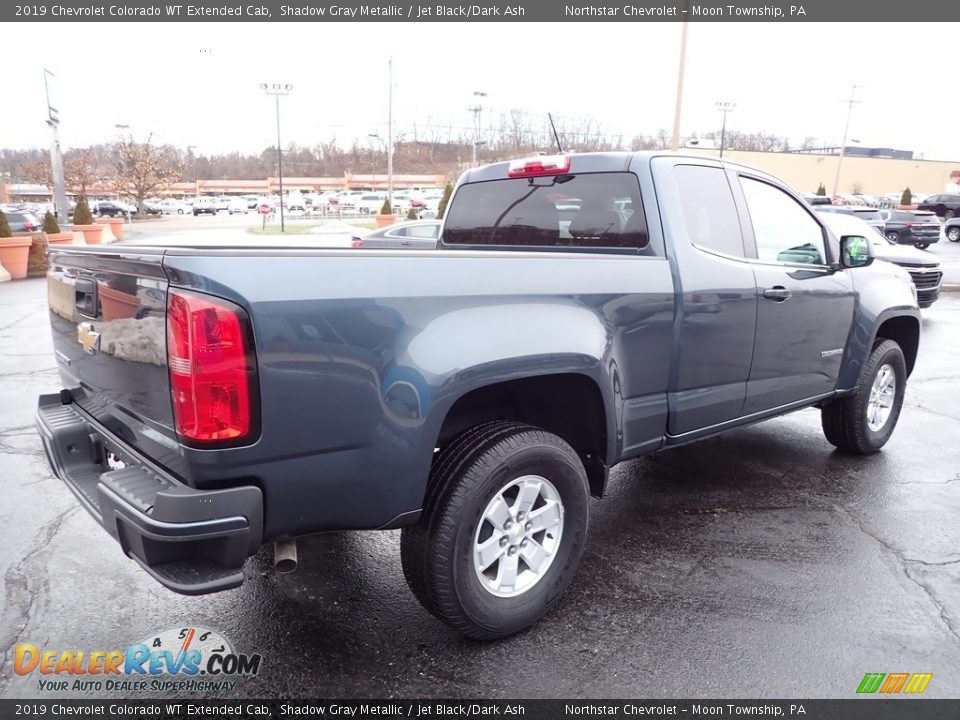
(14, 251)
(444, 200)
(83, 222)
(413, 214)
(385, 216)
(52, 228)
(906, 200)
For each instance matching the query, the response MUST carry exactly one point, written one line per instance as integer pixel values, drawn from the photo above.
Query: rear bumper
(191, 541)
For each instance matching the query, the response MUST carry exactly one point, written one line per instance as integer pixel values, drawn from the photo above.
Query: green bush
(442, 207)
(821, 190)
(413, 214)
(386, 209)
(82, 214)
(50, 226)
(5, 230)
(907, 197)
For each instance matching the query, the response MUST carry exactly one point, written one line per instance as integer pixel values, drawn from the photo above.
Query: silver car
(413, 235)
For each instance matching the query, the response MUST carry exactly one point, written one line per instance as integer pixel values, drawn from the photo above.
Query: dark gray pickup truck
(579, 311)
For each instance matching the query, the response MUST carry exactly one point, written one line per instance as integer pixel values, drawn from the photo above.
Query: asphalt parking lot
(757, 564)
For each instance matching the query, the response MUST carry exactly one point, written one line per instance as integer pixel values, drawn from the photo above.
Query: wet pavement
(757, 564)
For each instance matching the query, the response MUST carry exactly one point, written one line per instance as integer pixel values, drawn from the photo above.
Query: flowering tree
(141, 168)
(82, 168)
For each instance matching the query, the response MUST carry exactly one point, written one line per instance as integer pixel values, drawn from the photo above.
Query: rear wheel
(953, 233)
(863, 422)
(922, 246)
(948, 213)
(893, 236)
(504, 527)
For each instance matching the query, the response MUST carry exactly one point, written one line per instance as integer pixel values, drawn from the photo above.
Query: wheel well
(567, 404)
(905, 331)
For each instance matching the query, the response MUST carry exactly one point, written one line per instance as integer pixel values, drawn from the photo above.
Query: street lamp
(276, 89)
(476, 110)
(373, 163)
(724, 107)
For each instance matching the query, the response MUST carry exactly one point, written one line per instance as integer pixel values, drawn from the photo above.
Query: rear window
(925, 217)
(592, 210)
(867, 214)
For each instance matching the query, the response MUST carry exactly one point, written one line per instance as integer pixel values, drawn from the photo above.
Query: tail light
(356, 243)
(544, 165)
(212, 368)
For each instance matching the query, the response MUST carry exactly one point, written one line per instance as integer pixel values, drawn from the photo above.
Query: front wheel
(893, 236)
(503, 530)
(922, 246)
(953, 233)
(863, 422)
(948, 213)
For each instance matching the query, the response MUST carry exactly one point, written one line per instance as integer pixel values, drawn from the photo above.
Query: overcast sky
(198, 84)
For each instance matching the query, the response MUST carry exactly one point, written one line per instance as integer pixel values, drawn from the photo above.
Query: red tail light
(356, 243)
(543, 165)
(210, 368)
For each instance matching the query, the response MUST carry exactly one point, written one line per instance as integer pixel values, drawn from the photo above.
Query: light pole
(476, 110)
(675, 141)
(846, 129)
(724, 107)
(276, 89)
(373, 164)
(390, 131)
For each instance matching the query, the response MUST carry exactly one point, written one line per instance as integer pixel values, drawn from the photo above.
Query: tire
(893, 236)
(922, 246)
(180, 211)
(953, 233)
(846, 423)
(948, 213)
(481, 466)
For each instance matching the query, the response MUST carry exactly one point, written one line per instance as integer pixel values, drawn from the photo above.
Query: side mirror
(855, 251)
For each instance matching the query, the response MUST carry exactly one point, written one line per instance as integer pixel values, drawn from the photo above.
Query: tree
(50, 226)
(81, 213)
(821, 190)
(442, 206)
(5, 230)
(907, 197)
(142, 167)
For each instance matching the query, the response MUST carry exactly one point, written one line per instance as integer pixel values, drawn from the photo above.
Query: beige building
(871, 175)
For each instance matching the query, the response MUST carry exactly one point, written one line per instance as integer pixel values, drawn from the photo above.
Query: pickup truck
(579, 311)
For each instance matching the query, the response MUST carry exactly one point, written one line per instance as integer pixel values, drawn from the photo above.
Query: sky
(198, 84)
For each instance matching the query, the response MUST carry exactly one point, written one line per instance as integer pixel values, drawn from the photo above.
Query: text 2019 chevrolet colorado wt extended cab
(579, 311)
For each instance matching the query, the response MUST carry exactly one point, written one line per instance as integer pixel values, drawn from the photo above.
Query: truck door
(805, 307)
(717, 306)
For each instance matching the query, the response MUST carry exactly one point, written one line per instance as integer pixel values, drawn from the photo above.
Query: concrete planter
(384, 220)
(63, 238)
(14, 255)
(906, 207)
(116, 225)
(91, 233)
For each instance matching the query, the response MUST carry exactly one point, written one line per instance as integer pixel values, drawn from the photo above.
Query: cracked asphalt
(756, 564)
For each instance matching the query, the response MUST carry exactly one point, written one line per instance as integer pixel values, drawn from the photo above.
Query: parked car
(171, 206)
(369, 203)
(814, 199)
(237, 205)
(872, 216)
(924, 268)
(152, 208)
(204, 206)
(474, 397)
(23, 221)
(414, 235)
(909, 227)
(946, 205)
(110, 208)
(951, 229)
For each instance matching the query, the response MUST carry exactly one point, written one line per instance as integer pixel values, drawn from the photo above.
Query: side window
(423, 231)
(709, 211)
(784, 231)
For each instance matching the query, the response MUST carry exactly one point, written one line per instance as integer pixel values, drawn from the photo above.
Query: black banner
(858, 11)
(852, 709)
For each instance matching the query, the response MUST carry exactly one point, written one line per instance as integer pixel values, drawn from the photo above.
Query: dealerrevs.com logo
(189, 658)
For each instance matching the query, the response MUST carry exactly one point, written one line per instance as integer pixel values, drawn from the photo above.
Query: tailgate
(107, 312)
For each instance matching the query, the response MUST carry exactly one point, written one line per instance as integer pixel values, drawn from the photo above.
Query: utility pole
(390, 133)
(56, 157)
(852, 100)
(276, 89)
(476, 110)
(724, 107)
(675, 142)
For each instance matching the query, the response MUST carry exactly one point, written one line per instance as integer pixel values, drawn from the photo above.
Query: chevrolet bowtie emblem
(88, 338)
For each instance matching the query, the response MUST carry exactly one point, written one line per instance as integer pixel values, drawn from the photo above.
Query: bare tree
(142, 167)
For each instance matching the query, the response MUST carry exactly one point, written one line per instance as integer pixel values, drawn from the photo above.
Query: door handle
(777, 293)
(85, 296)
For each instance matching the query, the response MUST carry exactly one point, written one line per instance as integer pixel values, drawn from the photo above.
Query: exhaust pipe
(285, 556)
